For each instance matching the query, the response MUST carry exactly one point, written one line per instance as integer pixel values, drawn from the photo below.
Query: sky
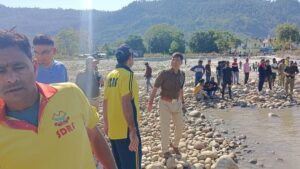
(106, 5)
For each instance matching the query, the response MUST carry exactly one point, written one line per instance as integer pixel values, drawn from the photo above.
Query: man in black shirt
(290, 72)
(227, 80)
(211, 87)
(269, 73)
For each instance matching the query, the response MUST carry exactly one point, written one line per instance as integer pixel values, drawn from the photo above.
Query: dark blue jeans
(261, 82)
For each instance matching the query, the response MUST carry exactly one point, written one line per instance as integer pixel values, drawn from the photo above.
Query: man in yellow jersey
(43, 126)
(121, 111)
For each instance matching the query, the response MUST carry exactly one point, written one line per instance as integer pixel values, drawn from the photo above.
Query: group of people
(47, 122)
(228, 74)
(286, 71)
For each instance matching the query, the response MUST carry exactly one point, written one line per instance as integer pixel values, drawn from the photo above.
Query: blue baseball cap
(123, 53)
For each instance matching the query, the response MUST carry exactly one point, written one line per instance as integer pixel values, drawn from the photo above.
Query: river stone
(171, 163)
(225, 162)
(155, 166)
(194, 113)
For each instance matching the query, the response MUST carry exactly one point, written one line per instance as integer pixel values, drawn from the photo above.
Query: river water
(275, 141)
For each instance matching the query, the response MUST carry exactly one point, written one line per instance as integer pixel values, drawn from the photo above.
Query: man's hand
(134, 141)
(150, 106)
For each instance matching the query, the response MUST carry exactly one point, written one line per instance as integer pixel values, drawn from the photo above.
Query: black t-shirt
(208, 69)
(291, 70)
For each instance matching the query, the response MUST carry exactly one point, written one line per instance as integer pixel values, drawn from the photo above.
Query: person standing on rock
(261, 74)
(171, 103)
(235, 71)
(290, 71)
(274, 70)
(199, 71)
(208, 71)
(44, 126)
(269, 74)
(227, 80)
(247, 69)
(148, 76)
(219, 72)
(121, 111)
(281, 74)
(49, 70)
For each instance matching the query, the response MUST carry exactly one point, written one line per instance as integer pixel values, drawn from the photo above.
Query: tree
(160, 37)
(108, 49)
(226, 41)
(68, 42)
(136, 43)
(203, 42)
(287, 33)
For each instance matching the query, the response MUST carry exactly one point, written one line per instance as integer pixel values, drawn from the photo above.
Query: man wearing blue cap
(121, 112)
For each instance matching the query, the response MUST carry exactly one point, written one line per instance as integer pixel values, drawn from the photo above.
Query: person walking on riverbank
(247, 69)
(199, 71)
(235, 71)
(227, 80)
(148, 76)
(261, 74)
(171, 103)
(290, 72)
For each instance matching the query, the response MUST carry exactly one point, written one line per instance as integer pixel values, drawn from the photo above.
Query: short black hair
(123, 53)
(200, 61)
(42, 39)
(178, 55)
(12, 39)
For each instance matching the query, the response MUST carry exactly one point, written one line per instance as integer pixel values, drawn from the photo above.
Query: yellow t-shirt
(197, 89)
(59, 142)
(120, 82)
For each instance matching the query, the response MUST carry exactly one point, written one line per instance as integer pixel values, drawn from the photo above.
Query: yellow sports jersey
(59, 142)
(197, 89)
(120, 82)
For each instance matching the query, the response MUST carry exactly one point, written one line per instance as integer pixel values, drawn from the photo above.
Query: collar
(171, 70)
(123, 66)
(46, 92)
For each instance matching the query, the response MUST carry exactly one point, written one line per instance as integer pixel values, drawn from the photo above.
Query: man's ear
(54, 50)
(35, 66)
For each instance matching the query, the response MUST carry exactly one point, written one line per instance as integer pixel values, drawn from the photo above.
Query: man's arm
(105, 121)
(101, 148)
(151, 99)
(128, 114)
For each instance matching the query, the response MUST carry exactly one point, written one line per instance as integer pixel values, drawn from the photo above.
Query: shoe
(176, 149)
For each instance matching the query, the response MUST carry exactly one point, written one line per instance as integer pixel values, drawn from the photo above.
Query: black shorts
(274, 75)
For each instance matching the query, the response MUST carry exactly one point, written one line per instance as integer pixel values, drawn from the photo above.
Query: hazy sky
(107, 5)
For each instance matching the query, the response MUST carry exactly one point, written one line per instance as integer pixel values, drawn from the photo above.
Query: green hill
(256, 18)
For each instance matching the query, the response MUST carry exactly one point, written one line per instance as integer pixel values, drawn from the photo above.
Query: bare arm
(127, 109)
(101, 148)
(128, 114)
